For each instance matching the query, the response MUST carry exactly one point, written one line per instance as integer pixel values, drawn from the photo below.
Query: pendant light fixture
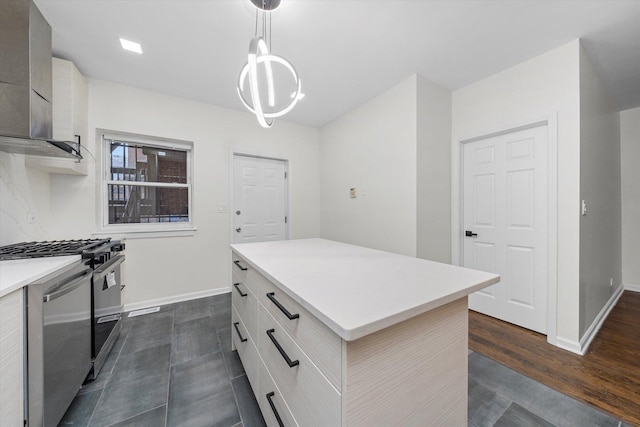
(259, 70)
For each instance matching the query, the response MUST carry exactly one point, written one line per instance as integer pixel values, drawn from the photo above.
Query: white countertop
(356, 291)
(14, 274)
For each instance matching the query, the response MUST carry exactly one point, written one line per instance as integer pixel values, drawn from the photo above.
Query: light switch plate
(353, 192)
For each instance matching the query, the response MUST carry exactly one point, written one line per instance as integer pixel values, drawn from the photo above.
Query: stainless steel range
(104, 257)
(106, 308)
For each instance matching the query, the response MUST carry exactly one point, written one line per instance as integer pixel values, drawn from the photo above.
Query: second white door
(259, 199)
(505, 224)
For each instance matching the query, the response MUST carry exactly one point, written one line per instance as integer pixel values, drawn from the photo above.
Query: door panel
(260, 199)
(520, 265)
(505, 203)
(520, 199)
(483, 258)
(484, 201)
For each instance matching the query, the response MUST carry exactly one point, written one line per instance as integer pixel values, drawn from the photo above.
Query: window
(147, 183)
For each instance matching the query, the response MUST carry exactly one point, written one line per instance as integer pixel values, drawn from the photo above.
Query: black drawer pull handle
(237, 263)
(273, 408)
(237, 286)
(281, 350)
(235, 325)
(271, 296)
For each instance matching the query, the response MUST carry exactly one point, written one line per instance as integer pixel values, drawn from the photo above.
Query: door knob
(469, 233)
(238, 229)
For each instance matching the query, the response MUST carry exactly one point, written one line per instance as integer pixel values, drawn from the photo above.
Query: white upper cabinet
(69, 101)
(70, 104)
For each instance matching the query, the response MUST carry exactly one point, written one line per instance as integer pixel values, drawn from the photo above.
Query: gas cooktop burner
(46, 249)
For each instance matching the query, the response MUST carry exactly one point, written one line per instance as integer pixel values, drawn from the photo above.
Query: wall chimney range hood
(26, 83)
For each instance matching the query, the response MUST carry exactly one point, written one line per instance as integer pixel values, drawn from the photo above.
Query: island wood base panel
(412, 373)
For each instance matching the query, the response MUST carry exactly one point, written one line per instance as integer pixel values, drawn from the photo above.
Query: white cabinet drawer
(247, 349)
(312, 399)
(246, 304)
(319, 343)
(272, 405)
(239, 271)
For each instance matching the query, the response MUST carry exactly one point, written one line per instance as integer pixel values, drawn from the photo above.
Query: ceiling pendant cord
(255, 33)
(269, 33)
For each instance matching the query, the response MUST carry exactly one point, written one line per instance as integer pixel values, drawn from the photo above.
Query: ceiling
(346, 51)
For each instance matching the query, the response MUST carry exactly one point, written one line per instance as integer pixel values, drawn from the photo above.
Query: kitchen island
(333, 334)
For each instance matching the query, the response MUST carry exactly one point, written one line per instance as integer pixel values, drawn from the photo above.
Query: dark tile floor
(172, 368)
(176, 368)
(500, 396)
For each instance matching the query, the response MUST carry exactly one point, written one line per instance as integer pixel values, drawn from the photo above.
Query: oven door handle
(68, 286)
(104, 269)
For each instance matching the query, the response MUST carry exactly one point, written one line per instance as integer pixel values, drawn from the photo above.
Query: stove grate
(49, 248)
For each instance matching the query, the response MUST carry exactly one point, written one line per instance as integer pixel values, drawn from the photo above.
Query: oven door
(107, 310)
(59, 342)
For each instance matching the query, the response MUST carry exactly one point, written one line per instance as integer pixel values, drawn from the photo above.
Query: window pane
(131, 162)
(143, 204)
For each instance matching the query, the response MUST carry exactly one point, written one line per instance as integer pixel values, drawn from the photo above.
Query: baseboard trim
(591, 333)
(565, 344)
(632, 288)
(173, 299)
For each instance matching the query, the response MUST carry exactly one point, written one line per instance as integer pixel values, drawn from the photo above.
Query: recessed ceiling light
(131, 46)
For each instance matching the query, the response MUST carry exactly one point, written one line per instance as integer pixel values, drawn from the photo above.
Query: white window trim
(146, 230)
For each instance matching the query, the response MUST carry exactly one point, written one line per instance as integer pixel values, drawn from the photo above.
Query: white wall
(600, 228)
(23, 191)
(372, 148)
(545, 86)
(396, 148)
(161, 268)
(630, 154)
(433, 171)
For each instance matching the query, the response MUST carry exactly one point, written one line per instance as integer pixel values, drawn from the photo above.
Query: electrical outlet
(31, 218)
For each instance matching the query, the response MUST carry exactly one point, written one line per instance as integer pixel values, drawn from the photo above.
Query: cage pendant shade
(259, 58)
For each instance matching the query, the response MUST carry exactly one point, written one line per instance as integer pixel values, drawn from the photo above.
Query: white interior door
(259, 199)
(505, 211)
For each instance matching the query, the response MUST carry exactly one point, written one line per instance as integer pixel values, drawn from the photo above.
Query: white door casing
(505, 201)
(260, 199)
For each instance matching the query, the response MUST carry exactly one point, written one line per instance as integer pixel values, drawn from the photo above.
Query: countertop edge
(64, 262)
(361, 331)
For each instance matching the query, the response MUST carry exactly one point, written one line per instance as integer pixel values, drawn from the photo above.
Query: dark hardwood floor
(607, 377)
